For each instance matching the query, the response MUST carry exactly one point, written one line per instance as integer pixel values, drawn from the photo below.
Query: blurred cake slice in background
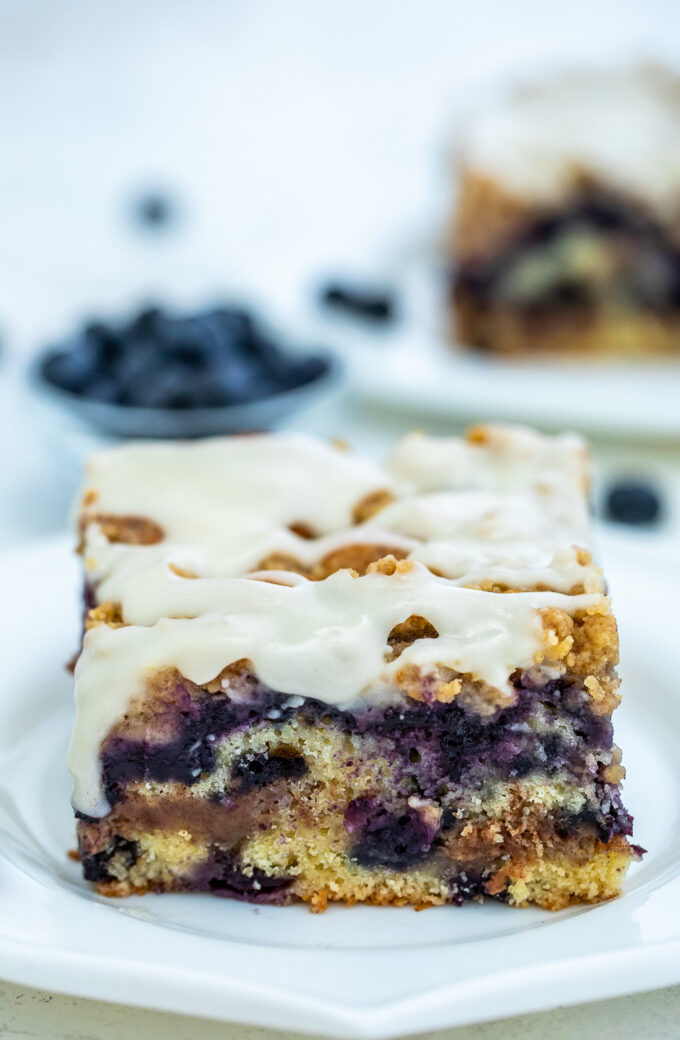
(566, 234)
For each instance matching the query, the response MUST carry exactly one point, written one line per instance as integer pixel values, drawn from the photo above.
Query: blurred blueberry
(156, 359)
(146, 324)
(632, 502)
(104, 342)
(154, 210)
(136, 370)
(72, 370)
(306, 369)
(373, 303)
(240, 383)
(231, 328)
(167, 388)
(103, 388)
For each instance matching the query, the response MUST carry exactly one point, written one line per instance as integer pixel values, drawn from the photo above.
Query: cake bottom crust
(551, 882)
(510, 332)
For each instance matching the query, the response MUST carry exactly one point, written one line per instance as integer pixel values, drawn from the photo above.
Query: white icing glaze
(313, 639)
(508, 508)
(514, 511)
(192, 488)
(621, 126)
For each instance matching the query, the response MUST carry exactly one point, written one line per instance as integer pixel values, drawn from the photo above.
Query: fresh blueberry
(238, 383)
(231, 326)
(146, 324)
(632, 502)
(105, 388)
(190, 353)
(154, 210)
(104, 341)
(212, 358)
(136, 371)
(306, 370)
(370, 302)
(72, 370)
(167, 387)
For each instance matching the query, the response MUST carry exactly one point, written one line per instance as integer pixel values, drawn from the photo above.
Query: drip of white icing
(313, 639)
(622, 127)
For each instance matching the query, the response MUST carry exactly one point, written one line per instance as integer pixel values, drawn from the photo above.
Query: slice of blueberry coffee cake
(309, 677)
(565, 237)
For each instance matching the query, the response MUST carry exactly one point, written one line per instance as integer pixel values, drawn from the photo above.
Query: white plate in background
(412, 368)
(352, 972)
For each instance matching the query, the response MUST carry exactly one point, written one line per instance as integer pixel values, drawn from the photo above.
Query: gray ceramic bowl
(120, 420)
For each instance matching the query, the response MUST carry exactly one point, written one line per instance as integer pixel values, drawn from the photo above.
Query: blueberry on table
(154, 210)
(168, 387)
(104, 388)
(104, 342)
(632, 502)
(74, 369)
(147, 323)
(370, 302)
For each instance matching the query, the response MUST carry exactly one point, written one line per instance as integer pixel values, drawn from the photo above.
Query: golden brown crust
(104, 614)
(487, 218)
(579, 333)
(523, 858)
(357, 557)
(588, 645)
(550, 882)
(131, 530)
(371, 504)
(402, 635)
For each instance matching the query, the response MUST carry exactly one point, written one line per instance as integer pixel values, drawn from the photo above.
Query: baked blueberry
(259, 770)
(392, 840)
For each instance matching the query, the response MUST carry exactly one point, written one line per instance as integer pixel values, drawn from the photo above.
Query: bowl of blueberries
(162, 374)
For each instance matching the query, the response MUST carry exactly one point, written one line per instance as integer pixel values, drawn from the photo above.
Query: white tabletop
(35, 1014)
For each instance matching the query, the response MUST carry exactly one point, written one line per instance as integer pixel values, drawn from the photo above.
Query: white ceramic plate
(415, 370)
(352, 972)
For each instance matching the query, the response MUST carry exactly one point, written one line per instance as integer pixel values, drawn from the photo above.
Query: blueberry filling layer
(403, 838)
(605, 821)
(197, 725)
(549, 728)
(596, 249)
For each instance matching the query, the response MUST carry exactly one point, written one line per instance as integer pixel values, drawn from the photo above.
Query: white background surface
(299, 136)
